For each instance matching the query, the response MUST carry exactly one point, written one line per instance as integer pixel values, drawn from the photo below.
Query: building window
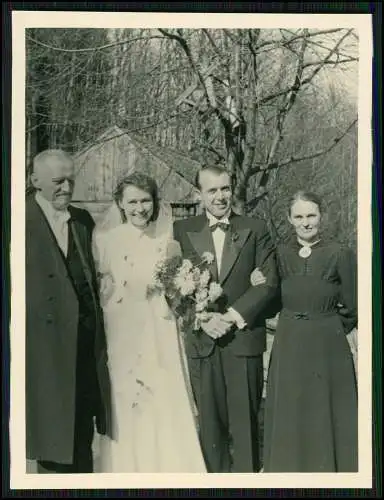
(184, 210)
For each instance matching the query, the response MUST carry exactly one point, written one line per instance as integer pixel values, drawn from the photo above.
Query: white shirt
(218, 236)
(58, 221)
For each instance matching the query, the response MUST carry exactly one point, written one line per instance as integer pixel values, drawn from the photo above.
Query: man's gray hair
(50, 153)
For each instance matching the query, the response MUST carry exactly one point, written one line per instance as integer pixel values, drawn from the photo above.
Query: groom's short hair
(216, 168)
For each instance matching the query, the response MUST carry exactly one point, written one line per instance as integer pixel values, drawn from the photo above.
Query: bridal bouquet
(189, 288)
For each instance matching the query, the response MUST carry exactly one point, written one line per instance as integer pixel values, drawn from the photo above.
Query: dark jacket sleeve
(260, 300)
(347, 271)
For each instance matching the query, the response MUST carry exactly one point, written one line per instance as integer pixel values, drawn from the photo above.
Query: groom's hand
(217, 326)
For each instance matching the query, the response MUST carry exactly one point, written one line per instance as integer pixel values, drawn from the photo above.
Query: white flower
(159, 265)
(208, 257)
(196, 275)
(204, 278)
(187, 289)
(201, 305)
(185, 267)
(215, 291)
(201, 295)
(185, 284)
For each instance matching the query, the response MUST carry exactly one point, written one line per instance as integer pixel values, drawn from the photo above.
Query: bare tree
(271, 104)
(245, 79)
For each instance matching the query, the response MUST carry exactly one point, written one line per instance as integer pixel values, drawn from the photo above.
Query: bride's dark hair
(140, 181)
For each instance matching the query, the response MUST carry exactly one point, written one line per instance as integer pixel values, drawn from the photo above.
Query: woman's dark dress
(311, 404)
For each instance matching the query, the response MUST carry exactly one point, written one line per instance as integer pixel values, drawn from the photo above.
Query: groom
(226, 357)
(67, 381)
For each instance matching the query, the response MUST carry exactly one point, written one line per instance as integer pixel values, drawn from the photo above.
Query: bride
(154, 428)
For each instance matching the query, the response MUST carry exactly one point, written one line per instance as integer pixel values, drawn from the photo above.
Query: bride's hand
(173, 249)
(107, 286)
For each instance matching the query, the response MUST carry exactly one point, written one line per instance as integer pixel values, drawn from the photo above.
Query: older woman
(311, 403)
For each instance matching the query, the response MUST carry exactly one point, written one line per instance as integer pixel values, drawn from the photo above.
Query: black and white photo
(195, 290)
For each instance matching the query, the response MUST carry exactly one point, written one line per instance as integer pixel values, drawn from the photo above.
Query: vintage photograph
(191, 206)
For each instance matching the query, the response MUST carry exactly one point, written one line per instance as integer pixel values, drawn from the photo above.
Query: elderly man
(67, 381)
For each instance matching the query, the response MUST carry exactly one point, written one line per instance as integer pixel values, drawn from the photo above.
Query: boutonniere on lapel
(234, 236)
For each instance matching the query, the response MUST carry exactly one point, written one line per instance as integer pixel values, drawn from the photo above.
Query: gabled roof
(174, 171)
(109, 134)
(180, 162)
(177, 161)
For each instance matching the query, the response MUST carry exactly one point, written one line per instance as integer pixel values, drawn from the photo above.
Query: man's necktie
(61, 225)
(219, 225)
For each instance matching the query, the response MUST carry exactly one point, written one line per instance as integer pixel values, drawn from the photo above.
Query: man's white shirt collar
(57, 219)
(50, 212)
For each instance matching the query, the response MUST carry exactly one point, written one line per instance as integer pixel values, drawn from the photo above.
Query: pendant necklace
(306, 250)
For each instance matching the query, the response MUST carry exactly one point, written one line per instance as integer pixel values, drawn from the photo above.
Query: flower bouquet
(189, 289)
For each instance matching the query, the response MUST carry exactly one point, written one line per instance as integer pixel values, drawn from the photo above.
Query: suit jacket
(247, 245)
(52, 317)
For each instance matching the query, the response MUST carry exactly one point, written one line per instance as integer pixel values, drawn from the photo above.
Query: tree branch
(289, 101)
(308, 80)
(342, 61)
(295, 38)
(225, 122)
(327, 58)
(133, 130)
(292, 159)
(92, 49)
(277, 165)
(188, 53)
(255, 201)
(230, 35)
(321, 152)
(213, 150)
(212, 42)
(319, 44)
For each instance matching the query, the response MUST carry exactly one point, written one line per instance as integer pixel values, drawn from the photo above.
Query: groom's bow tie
(219, 225)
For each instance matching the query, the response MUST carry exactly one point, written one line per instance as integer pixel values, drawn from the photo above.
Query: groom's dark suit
(67, 381)
(227, 373)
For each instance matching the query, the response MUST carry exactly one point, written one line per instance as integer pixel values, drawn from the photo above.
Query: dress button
(50, 299)
(51, 275)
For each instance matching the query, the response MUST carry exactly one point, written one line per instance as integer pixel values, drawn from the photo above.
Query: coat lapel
(42, 232)
(235, 239)
(80, 239)
(202, 242)
(79, 234)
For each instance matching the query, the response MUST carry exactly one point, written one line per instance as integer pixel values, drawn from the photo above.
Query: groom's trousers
(228, 391)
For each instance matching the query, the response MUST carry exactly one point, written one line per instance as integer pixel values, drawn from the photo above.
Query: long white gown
(154, 422)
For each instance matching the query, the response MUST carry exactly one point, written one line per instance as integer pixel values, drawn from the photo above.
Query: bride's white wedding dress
(154, 425)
